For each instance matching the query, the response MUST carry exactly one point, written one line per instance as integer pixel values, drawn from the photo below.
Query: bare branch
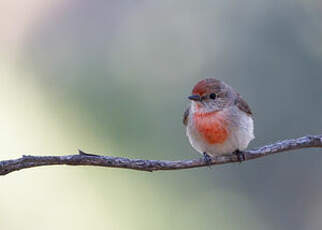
(87, 159)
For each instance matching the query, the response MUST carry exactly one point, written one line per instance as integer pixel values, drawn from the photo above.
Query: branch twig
(8, 166)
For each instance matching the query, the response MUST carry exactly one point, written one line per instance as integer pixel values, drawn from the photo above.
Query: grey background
(112, 77)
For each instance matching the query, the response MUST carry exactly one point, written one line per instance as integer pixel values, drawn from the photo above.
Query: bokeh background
(112, 77)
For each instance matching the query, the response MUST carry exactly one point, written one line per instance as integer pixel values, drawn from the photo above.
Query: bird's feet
(207, 158)
(240, 155)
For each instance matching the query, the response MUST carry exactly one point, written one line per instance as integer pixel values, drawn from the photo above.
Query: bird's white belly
(240, 129)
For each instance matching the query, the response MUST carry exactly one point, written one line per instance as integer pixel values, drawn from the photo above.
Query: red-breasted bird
(218, 121)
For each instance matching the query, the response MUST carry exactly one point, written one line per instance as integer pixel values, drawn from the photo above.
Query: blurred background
(112, 77)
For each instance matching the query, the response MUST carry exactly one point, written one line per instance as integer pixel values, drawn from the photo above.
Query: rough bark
(85, 159)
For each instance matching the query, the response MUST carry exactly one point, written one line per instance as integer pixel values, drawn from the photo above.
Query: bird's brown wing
(242, 105)
(185, 116)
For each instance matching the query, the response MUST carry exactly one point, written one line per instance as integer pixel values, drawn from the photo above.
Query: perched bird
(218, 120)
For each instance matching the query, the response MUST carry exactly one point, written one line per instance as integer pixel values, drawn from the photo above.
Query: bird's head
(211, 95)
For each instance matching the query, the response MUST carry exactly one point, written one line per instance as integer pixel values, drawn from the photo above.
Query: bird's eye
(212, 96)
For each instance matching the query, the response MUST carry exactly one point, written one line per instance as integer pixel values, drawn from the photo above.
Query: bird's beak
(194, 98)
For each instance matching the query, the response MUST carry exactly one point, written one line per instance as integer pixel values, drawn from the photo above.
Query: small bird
(218, 121)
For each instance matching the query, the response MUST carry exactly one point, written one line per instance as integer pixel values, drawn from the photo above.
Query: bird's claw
(240, 155)
(207, 158)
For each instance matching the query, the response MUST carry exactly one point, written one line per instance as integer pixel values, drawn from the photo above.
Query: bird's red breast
(213, 126)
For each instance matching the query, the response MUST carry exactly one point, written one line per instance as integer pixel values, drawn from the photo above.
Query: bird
(218, 120)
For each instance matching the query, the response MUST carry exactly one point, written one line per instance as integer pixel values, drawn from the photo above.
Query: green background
(112, 77)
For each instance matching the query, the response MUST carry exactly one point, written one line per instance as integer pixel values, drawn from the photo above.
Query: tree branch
(8, 166)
